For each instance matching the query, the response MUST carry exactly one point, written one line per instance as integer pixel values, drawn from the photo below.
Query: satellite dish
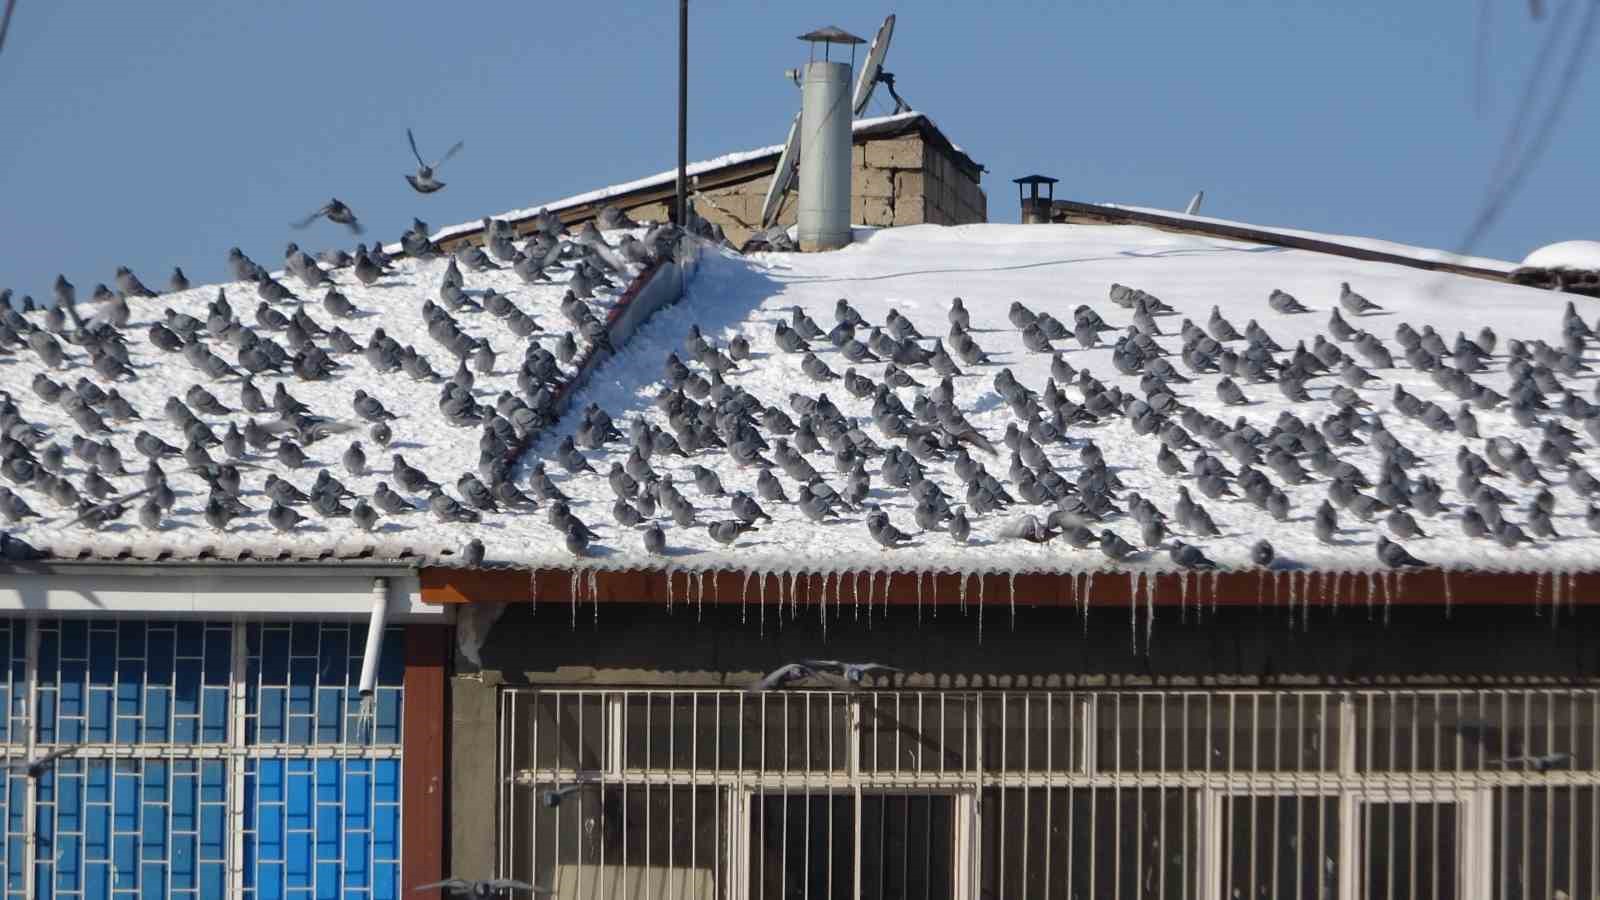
(872, 69)
(783, 176)
(1194, 203)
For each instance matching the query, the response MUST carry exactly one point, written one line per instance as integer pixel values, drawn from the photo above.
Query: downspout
(369, 660)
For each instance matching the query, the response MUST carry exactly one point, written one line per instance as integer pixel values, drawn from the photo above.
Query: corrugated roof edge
(1368, 588)
(882, 127)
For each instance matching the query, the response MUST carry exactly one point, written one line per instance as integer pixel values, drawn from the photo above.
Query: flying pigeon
(336, 211)
(423, 182)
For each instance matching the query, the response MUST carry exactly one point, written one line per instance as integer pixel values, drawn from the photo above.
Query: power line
(5, 23)
(1501, 194)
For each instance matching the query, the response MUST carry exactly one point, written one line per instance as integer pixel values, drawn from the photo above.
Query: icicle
(572, 589)
(1011, 579)
(1538, 594)
(671, 571)
(1082, 597)
(980, 607)
(1261, 587)
(1183, 597)
(961, 592)
(1290, 600)
(533, 588)
(1133, 609)
(1322, 585)
(594, 593)
(919, 596)
(1150, 610)
(744, 595)
(855, 592)
(1337, 577)
(1372, 593)
(761, 596)
(1449, 599)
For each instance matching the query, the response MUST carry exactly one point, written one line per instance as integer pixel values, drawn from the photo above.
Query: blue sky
(160, 134)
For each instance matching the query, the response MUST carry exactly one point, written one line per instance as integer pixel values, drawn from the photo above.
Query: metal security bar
(215, 759)
(1205, 794)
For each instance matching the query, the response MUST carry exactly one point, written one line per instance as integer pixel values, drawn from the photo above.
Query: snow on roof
(914, 271)
(667, 177)
(1565, 255)
(420, 433)
(1422, 253)
(917, 270)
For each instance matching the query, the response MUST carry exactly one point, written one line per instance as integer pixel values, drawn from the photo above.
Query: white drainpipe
(375, 626)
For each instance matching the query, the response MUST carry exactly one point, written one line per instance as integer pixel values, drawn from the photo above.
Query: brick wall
(896, 181)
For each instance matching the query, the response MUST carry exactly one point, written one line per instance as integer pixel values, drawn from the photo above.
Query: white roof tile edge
(694, 168)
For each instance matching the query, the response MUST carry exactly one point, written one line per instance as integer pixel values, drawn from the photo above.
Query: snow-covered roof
(915, 272)
(727, 160)
(395, 303)
(1566, 255)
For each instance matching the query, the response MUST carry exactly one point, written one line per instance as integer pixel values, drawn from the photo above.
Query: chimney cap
(832, 34)
(1035, 179)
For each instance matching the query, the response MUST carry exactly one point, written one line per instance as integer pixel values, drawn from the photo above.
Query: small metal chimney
(825, 117)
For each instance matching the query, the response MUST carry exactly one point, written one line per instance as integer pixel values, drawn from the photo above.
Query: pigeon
(424, 181)
(37, 767)
(851, 672)
(655, 540)
(1354, 303)
(1395, 556)
(485, 889)
(1262, 553)
(336, 211)
(781, 677)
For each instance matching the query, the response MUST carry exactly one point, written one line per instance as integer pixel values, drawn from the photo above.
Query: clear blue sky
(154, 134)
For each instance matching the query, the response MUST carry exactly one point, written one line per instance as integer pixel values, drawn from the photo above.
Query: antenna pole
(683, 113)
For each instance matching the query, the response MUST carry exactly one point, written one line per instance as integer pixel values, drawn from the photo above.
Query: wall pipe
(375, 628)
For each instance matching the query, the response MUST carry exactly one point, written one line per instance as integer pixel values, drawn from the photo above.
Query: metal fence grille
(217, 760)
(1205, 794)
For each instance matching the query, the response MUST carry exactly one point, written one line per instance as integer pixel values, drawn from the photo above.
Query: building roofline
(732, 167)
(1111, 588)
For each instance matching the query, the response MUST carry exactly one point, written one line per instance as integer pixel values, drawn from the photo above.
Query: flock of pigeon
(361, 392)
(880, 427)
(283, 402)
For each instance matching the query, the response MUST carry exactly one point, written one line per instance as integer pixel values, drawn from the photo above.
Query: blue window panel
(333, 665)
(213, 781)
(388, 717)
(96, 880)
(328, 881)
(328, 832)
(154, 833)
(302, 680)
(214, 720)
(213, 882)
(269, 833)
(186, 693)
(358, 799)
(130, 682)
(74, 638)
(69, 799)
(271, 726)
(73, 675)
(155, 781)
(307, 637)
(157, 714)
(69, 863)
(102, 657)
(270, 772)
(14, 863)
(131, 633)
(16, 801)
(153, 878)
(269, 881)
(100, 701)
(5, 707)
(327, 781)
(97, 832)
(386, 882)
(275, 655)
(357, 847)
(44, 823)
(183, 862)
(185, 794)
(299, 730)
(124, 861)
(298, 790)
(158, 656)
(330, 715)
(297, 860)
(190, 638)
(392, 658)
(125, 802)
(49, 652)
(213, 825)
(387, 781)
(386, 833)
(47, 715)
(218, 657)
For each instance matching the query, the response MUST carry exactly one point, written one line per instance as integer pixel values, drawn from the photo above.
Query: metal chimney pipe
(824, 215)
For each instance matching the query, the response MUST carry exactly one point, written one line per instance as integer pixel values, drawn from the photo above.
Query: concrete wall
(895, 181)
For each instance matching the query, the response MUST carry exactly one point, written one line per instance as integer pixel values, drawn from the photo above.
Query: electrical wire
(1502, 194)
(5, 22)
